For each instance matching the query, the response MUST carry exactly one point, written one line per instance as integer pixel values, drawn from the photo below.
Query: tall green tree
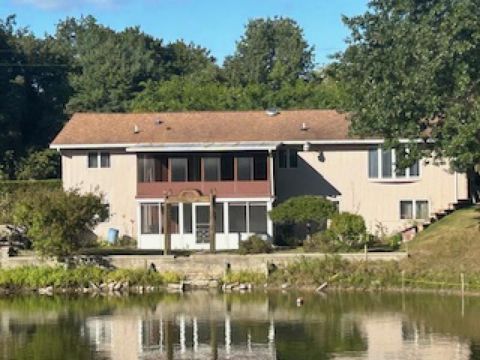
(412, 70)
(272, 51)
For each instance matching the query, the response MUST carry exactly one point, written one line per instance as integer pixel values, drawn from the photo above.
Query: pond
(203, 325)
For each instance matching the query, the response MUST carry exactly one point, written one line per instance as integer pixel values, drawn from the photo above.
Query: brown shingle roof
(202, 127)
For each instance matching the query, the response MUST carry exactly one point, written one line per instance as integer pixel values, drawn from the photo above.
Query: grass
(449, 245)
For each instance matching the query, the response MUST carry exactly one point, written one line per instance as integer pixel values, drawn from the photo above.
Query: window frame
(288, 157)
(159, 213)
(93, 155)
(185, 168)
(406, 176)
(414, 209)
(104, 155)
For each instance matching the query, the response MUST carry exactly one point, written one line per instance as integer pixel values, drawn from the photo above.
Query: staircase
(410, 232)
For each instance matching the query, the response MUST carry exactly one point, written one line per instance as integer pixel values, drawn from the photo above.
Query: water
(204, 325)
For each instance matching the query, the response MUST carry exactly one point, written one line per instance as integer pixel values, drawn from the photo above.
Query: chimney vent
(304, 127)
(136, 130)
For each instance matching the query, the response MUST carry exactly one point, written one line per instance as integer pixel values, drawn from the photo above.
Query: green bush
(254, 245)
(244, 277)
(59, 223)
(303, 210)
(324, 241)
(349, 229)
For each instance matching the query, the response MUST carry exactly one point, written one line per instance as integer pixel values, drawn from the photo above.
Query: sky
(214, 24)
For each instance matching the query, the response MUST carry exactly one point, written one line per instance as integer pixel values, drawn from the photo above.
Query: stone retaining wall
(206, 266)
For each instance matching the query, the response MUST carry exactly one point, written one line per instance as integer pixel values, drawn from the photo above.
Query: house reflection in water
(180, 337)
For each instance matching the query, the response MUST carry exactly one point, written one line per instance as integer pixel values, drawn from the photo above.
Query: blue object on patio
(112, 236)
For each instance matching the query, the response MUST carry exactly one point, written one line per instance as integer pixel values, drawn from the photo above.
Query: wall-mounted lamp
(306, 146)
(321, 156)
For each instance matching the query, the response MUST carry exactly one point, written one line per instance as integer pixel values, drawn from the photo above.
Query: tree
(39, 165)
(303, 210)
(272, 51)
(59, 223)
(412, 71)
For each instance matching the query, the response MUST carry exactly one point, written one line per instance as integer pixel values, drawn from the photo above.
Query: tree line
(87, 66)
(410, 70)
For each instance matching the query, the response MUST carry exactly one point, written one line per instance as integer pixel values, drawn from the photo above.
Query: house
(208, 179)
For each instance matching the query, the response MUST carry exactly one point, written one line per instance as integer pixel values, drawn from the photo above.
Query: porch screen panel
(174, 219)
(179, 169)
(149, 218)
(187, 218)
(219, 217)
(245, 168)
(227, 167)
(194, 169)
(258, 218)
(211, 168)
(237, 217)
(260, 167)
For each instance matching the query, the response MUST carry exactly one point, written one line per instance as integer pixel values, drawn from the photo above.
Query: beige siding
(342, 174)
(118, 184)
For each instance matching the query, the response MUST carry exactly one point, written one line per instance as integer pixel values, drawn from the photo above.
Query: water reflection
(240, 326)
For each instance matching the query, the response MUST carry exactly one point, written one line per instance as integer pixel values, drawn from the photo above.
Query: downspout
(272, 180)
(455, 184)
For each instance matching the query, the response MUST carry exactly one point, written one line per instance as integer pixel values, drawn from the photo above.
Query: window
(418, 209)
(174, 219)
(421, 210)
(237, 217)
(152, 168)
(179, 169)
(187, 218)
(149, 218)
(257, 218)
(227, 167)
(92, 160)
(406, 209)
(373, 163)
(104, 160)
(387, 163)
(211, 168)
(219, 218)
(287, 158)
(382, 164)
(245, 168)
(260, 167)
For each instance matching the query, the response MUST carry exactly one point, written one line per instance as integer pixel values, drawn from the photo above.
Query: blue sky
(214, 24)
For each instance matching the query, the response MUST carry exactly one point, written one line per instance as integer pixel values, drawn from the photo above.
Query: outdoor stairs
(460, 204)
(410, 232)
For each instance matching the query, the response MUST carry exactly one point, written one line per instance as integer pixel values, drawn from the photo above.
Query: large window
(237, 217)
(174, 219)
(149, 218)
(219, 217)
(194, 168)
(382, 164)
(257, 216)
(418, 209)
(211, 168)
(152, 168)
(260, 167)
(179, 169)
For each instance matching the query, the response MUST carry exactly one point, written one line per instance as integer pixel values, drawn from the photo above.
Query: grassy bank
(30, 277)
(438, 257)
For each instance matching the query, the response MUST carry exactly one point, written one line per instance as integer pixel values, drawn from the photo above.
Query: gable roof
(201, 127)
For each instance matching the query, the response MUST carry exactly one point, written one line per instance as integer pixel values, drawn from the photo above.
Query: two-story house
(208, 179)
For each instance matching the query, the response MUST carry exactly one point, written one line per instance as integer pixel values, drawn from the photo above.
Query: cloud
(69, 4)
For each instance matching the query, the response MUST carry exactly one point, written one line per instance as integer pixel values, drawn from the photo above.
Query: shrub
(244, 277)
(349, 229)
(324, 241)
(303, 210)
(254, 245)
(59, 223)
